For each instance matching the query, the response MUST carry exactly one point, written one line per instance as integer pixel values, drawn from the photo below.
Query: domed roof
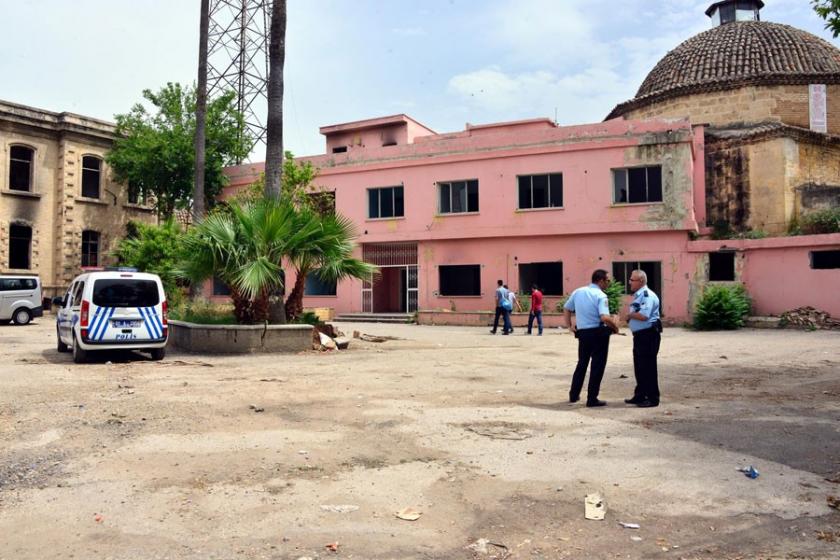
(735, 55)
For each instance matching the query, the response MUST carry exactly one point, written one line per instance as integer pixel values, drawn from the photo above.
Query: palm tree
(246, 246)
(330, 256)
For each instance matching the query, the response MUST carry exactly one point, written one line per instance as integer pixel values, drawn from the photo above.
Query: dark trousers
(505, 314)
(645, 349)
(593, 344)
(538, 316)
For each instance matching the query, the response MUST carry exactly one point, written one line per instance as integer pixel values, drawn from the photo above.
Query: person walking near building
(503, 308)
(514, 305)
(646, 327)
(593, 328)
(536, 309)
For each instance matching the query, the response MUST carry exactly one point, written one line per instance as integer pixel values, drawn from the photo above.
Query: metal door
(412, 288)
(367, 294)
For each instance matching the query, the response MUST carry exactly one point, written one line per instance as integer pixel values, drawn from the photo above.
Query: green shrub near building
(722, 308)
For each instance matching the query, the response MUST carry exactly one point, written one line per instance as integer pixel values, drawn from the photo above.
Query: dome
(735, 55)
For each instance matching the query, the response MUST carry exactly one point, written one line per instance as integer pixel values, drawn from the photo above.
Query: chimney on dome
(730, 11)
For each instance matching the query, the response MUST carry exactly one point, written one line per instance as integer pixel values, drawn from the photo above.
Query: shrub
(525, 302)
(560, 303)
(615, 292)
(821, 221)
(722, 308)
(204, 313)
(307, 318)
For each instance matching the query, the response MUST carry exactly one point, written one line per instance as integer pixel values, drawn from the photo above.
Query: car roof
(117, 275)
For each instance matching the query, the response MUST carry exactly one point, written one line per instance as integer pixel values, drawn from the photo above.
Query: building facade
(60, 209)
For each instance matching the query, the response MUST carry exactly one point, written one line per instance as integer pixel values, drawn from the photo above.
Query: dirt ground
(201, 457)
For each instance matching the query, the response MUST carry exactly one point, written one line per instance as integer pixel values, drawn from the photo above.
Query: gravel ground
(126, 458)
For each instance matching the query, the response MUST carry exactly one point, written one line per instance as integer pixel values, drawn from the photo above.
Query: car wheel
(158, 353)
(79, 353)
(60, 346)
(22, 316)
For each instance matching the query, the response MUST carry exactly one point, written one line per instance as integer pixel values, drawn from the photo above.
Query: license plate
(125, 324)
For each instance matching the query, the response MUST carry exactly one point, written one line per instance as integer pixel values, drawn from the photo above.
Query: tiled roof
(736, 55)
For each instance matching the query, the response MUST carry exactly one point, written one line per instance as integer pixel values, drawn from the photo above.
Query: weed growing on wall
(722, 308)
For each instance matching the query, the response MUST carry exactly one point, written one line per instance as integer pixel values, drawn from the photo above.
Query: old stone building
(60, 209)
(769, 95)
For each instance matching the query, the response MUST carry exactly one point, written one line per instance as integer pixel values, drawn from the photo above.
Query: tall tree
(198, 209)
(829, 10)
(274, 122)
(155, 151)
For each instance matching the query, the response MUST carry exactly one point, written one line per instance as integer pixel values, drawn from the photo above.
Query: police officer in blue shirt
(593, 327)
(646, 327)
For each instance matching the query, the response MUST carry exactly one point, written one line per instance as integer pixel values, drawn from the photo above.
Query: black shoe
(634, 400)
(506, 332)
(574, 398)
(493, 332)
(596, 402)
(647, 403)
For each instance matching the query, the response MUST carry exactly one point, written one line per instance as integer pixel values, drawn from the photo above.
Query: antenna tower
(237, 59)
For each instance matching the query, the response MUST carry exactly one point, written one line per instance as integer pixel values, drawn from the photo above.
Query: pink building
(447, 215)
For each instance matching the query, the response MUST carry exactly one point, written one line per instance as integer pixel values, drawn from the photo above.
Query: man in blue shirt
(646, 327)
(502, 309)
(593, 327)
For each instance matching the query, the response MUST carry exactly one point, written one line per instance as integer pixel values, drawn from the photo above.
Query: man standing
(536, 309)
(593, 328)
(503, 308)
(646, 327)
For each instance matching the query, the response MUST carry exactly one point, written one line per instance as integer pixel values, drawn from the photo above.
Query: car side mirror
(58, 300)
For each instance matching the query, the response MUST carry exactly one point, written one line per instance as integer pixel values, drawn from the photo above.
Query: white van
(20, 299)
(117, 309)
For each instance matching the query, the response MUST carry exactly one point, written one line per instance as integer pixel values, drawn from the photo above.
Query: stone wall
(788, 104)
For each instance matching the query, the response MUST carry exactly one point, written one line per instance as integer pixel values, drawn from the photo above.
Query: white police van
(20, 299)
(117, 309)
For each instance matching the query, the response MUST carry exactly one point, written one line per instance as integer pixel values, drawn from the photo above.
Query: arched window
(90, 248)
(20, 168)
(20, 247)
(91, 176)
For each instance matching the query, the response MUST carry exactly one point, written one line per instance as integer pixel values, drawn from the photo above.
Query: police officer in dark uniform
(593, 327)
(646, 326)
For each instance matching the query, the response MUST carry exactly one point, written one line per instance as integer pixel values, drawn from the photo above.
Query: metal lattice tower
(237, 59)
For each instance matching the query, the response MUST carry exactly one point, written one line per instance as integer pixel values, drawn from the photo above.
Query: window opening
(385, 202)
(20, 247)
(547, 275)
(822, 260)
(91, 175)
(339, 149)
(653, 269)
(637, 185)
(90, 248)
(314, 285)
(460, 280)
(540, 191)
(20, 168)
(219, 287)
(721, 267)
(136, 194)
(458, 197)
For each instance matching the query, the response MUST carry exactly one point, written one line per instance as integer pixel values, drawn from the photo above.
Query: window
(20, 168)
(91, 174)
(547, 275)
(90, 248)
(540, 191)
(721, 266)
(653, 269)
(822, 260)
(458, 197)
(385, 202)
(125, 292)
(315, 286)
(20, 246)
(637, 185)
(77, 294)
(14, 284)
(339, 149)
(219, 287)
(460, 280)
(136, 194)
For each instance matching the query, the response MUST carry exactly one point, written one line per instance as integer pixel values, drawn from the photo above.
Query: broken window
(314, 285)
(458, 197)
(460, 280)
(385, 202)
(653, 269)
(91, 174)
(721, 266)
(637, 185)
(90, 248)
(20, 247)
(339, 149)
(547, 275)
(822, 260)
(20, 168)
(540, 191)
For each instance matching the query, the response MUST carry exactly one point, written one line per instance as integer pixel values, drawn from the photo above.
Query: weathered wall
(788, 104)
(816, 183)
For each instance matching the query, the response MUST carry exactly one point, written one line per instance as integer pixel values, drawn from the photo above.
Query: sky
(442, 62)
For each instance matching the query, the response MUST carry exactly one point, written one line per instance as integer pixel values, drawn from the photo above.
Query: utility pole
(199, 203)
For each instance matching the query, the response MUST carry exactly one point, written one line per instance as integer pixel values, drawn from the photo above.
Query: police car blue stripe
(146, 323)
(93, 323)
(94, 332)
(150, 321)
(106, 322)
(157, 320)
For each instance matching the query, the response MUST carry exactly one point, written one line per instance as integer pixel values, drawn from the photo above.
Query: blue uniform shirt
(588, 304)
(646, 302)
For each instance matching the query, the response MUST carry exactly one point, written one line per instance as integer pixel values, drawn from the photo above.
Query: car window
(9, 284)
(78, 290)
(125, 293)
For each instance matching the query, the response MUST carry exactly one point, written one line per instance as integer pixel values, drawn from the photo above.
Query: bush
(560, 303)
(204, 313)
(307, 318)
(153, 249)
(525, 302)
(821, 221)
(722, 308)
(615, 292)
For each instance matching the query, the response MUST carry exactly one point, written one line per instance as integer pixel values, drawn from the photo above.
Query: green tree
(829, 10)
(155, 151)
(154, 249)
(246, 245)
(274, 122)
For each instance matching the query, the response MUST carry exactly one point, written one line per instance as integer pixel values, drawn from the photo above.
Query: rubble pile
(808, 318)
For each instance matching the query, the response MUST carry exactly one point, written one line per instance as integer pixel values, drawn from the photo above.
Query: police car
(115, 309)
